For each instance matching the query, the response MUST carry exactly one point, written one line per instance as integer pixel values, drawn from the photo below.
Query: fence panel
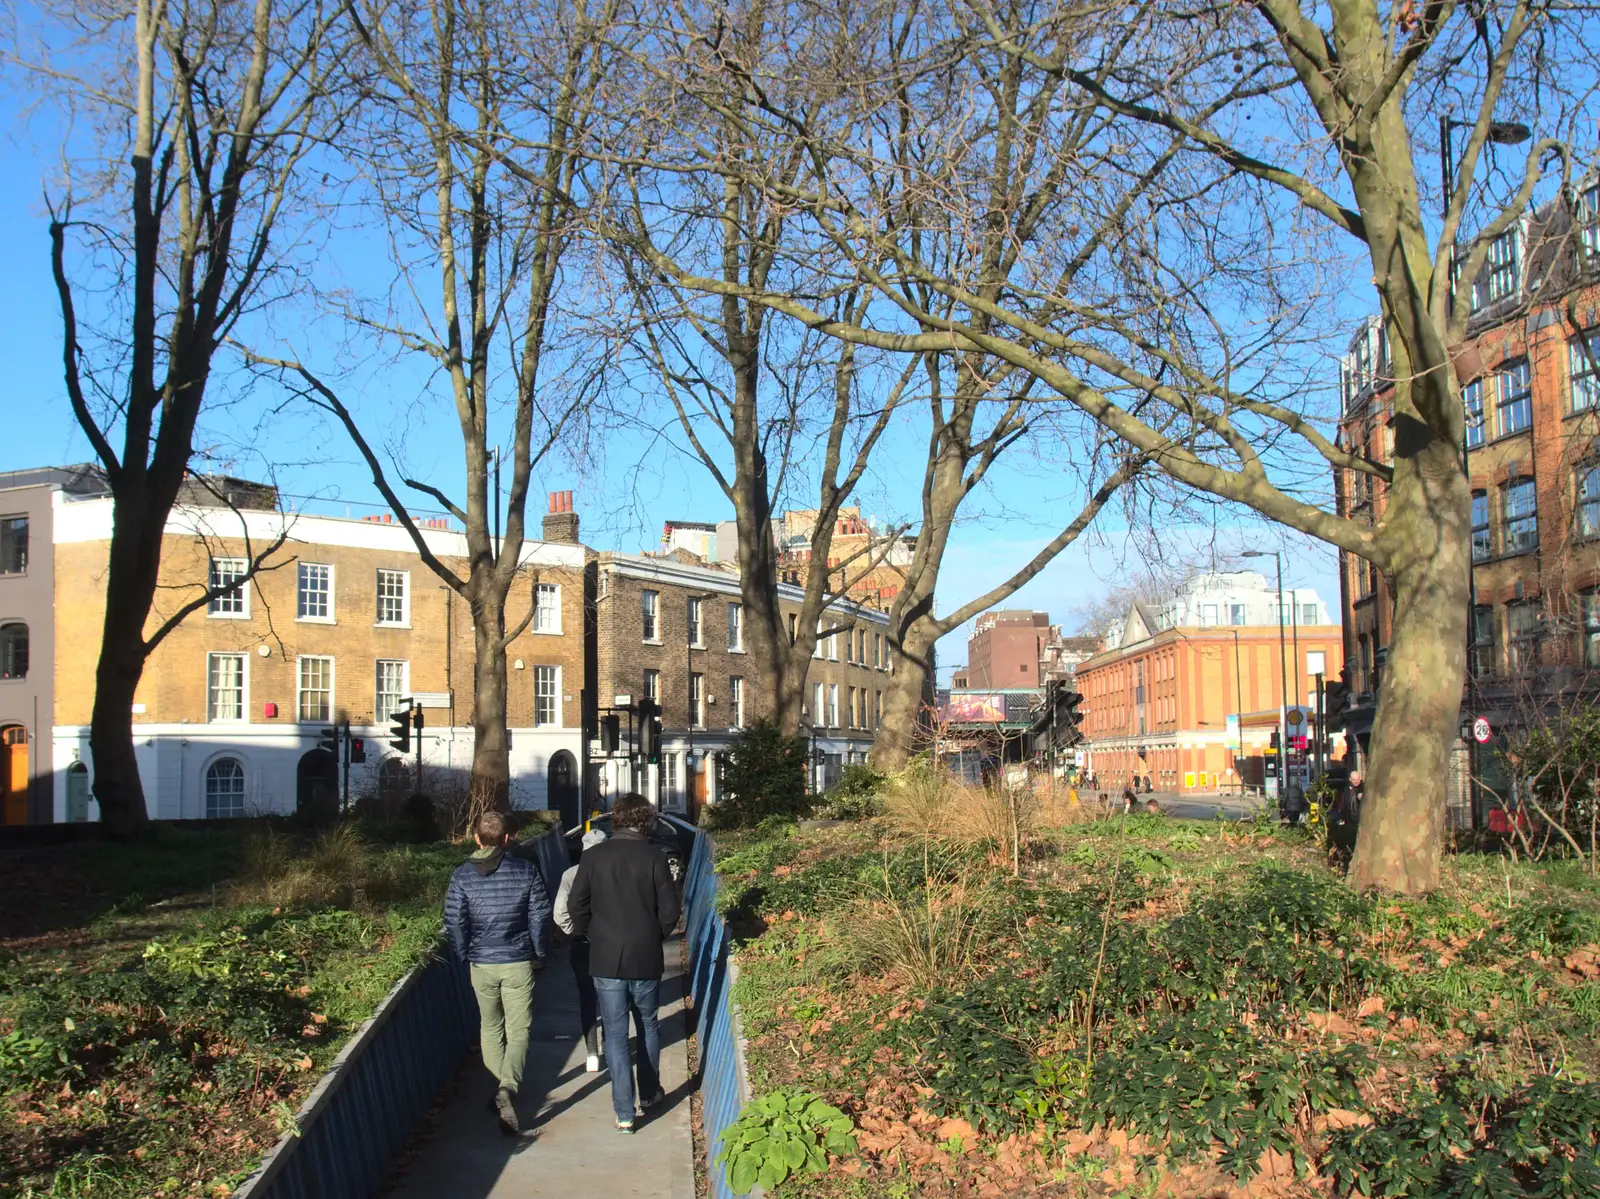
(383, 1082)
(724, 1086)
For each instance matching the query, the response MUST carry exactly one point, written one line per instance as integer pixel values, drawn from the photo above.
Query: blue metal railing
(724, 1087)
(384, 1081)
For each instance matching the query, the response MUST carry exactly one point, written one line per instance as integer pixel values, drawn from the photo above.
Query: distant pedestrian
(1129, 800)
(624, 900)
(578, 956)
(495, 912)
(1151, 806)
(1148, 787)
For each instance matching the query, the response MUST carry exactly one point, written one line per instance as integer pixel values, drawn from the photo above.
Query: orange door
(14, 774)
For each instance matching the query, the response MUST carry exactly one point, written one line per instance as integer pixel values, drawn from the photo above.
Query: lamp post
(1283, 673)
(1501, 133)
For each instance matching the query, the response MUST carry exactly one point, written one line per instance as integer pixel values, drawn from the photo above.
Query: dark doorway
(316, 793)
(77, 792)
(564, 794)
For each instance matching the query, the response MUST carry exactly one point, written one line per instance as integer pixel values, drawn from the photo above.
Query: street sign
(1316, 662)
(1481, 732)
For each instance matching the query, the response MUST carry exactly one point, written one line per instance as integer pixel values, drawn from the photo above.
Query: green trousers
(505, 1013)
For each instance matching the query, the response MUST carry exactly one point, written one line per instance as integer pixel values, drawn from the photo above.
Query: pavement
(1195, 807)
(464, 1155)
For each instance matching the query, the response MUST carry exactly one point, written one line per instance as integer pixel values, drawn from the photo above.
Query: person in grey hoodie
(578, 956)
(495, 913)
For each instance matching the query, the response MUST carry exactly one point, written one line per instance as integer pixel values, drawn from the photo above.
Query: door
(77, 792)
(317, 787)
(14, 773)
(563, 794)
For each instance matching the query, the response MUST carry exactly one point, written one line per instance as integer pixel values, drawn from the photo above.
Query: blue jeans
(619, 996)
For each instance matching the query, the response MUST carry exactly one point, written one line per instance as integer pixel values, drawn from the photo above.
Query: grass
(996, 1016)
(158, 1035)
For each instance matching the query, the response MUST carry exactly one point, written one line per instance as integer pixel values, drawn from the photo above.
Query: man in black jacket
(623, 899)
(496, 912)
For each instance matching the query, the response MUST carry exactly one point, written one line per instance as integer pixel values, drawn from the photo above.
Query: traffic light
(1068, 715)
(1276, 742)
(358, 749)
(650, 740)
(1335, 700)
(400, 731)
(329, 741)
(416, 724)
(610, 733)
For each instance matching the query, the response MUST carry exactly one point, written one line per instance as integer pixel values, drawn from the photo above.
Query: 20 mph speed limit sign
(1481, 732)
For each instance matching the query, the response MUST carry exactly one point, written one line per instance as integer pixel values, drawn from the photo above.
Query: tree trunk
(1402, 818)
(902, 703)
(491, 766)
(131, 573)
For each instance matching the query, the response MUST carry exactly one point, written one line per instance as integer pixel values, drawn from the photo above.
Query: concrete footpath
(578, 1151)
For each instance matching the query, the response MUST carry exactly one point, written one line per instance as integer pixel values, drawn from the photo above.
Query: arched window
(14, 651)
(224, 789)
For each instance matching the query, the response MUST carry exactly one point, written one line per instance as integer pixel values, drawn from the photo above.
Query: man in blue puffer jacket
(496, 913)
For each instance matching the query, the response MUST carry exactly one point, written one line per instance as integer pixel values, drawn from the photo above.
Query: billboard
(979, 707)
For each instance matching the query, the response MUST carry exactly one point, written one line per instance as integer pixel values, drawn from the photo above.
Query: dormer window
(1502, 270)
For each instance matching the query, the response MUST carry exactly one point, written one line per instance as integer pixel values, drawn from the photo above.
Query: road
(1206, 807)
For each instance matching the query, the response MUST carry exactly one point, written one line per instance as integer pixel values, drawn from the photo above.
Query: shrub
(782, 1134)
(858, 795)
(763, 776)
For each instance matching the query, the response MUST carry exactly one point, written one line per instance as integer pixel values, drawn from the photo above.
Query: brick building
(1529, 367)
(344, 620)
(1188, 692)
(673, 631)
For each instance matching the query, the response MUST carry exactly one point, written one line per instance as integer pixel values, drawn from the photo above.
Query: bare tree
(456, 93)
(1210, 233)
(214, 107)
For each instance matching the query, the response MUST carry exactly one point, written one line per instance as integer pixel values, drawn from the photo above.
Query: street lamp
(1501, 133)
(1283, 672)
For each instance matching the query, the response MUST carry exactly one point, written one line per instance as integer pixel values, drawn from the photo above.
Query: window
(697, 701)
(1236, 614)
(14, 651)
(1481, 549)
(1208, 614)
(1519, 516)
(816, 650)
(224, 789)
(393, 605)
(315, 592)
(833, 705)
(833, 647)
(669, 776)
(1583, 368)
(225, 687)
(316, 688)
(877, 709)
(652, 685)
(736, 702)
(694, 623)
(235, 603)
(1308, 614)
(394, 684)
(1514, 398)
(794, 628)
(1589, 217)
(13, 545)
(816, 704)
(850, 707)
(849, 645)
(1501, 270)
(1522, 636)
(877, 650)
(861, 646)
(735, 629)
(1589, 603)
(651, 602)
(546, 709)
(1586, 501)
(546, 608)
(1482, 640)
(1472, 401)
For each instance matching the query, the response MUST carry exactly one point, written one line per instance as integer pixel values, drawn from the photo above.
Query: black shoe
(655, 1101)
(505, 1107)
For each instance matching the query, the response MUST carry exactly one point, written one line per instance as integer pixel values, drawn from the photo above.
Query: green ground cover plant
(1148, 1006)
(158, 1048)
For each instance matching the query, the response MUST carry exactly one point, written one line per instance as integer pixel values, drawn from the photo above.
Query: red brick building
(1531, 387)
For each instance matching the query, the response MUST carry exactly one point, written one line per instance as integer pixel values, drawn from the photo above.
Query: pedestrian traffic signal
(358, 749)
(1276, 742)
(400, 732)
(610, 734)
(1067, 713)
(329, 741)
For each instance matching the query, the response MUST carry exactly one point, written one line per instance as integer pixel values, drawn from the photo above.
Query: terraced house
(1530, 372)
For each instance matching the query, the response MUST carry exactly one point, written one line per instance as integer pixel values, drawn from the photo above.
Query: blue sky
(625, 485)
